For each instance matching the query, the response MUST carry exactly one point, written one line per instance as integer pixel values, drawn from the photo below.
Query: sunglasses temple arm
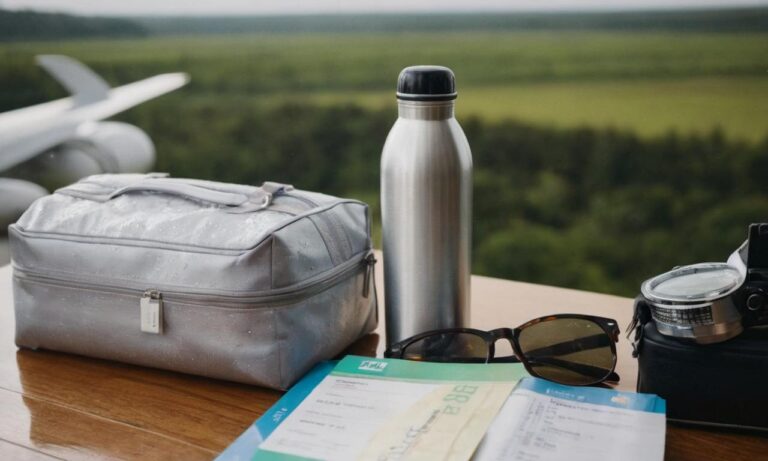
(567, 347)
(507, 359)
(587, 370)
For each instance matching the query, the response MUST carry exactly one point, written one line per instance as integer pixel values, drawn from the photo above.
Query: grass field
(645, 82)
(737, 105)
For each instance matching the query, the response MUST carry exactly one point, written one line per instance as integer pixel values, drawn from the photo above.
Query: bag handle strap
(235, 201)
(178, 189)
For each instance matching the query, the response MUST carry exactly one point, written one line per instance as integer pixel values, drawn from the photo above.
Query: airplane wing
(24, 133)
(84, 84)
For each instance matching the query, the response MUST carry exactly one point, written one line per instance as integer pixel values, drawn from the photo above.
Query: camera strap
(641, 316)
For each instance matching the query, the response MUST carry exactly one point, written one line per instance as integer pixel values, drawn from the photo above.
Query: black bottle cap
(426, 83)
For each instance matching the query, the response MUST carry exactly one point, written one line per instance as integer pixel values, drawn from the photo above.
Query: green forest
(35, 26)
(601, 156)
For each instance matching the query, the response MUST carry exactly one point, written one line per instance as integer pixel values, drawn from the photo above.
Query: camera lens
(696, 282)
(695, 302)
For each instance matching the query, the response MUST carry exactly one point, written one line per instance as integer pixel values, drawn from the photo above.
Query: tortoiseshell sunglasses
(569, 349)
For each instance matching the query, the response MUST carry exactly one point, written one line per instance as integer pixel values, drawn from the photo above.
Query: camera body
(716, 304)
(712, 302)
(720, 384)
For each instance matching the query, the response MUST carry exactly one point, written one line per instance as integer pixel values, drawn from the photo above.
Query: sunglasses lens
(448, 347)
(568, 351)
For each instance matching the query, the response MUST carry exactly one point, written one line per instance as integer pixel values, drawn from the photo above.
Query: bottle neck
(425, 110)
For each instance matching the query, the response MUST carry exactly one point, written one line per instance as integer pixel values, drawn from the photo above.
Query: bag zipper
(151, 307)
(370, 263)
(255, 299)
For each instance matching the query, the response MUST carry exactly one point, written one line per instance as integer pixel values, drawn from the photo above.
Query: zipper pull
(370, 263)
(152, 312)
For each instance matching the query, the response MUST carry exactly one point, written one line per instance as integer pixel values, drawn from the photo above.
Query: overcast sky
(230, 7)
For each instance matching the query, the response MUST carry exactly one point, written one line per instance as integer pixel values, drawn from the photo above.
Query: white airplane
(58, 142)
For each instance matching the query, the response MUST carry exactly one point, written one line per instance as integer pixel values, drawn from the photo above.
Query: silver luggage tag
(152, 312)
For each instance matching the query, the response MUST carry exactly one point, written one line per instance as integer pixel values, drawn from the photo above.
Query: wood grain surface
(60, 406)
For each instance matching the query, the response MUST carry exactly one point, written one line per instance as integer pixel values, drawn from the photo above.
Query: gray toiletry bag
(249, 284)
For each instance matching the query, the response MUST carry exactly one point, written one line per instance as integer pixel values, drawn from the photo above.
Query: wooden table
(60, 406)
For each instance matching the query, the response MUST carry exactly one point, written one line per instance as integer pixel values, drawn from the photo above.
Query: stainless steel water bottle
(426, 207)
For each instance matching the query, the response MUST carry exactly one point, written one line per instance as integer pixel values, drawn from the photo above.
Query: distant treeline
(585, 208)
(720, 20)
(31, 25)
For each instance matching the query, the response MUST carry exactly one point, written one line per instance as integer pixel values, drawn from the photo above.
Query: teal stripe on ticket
(406, 370)
(608, 397)
(264, 455)
(244, 447)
